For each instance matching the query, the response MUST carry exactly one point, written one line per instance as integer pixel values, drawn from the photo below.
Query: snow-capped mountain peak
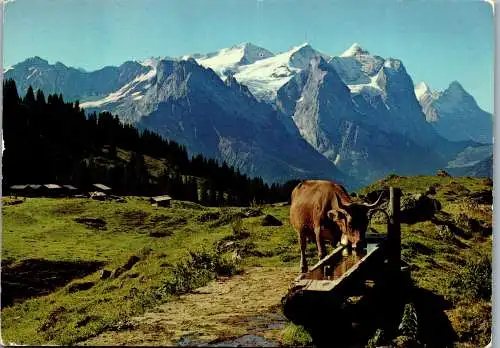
(134, 89)
(266, 76)
(354, 50)
(301, 56)
(392, 63)
(229, 59)
(421, 89)
(151, 61)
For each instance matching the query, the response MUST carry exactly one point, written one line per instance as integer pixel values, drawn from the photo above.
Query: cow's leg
(320, 244)
(303, 245)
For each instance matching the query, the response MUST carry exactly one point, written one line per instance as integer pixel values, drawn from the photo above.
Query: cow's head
(352, 219)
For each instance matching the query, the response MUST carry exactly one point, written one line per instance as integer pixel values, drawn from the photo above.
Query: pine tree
(29, 98)
(40, 98)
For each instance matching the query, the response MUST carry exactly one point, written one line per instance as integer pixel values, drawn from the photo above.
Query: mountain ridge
(350, 108)
(455, 114)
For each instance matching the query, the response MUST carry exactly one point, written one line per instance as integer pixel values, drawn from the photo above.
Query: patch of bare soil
(38, 277)
(242, 308)
(94, 223)
(12, 200)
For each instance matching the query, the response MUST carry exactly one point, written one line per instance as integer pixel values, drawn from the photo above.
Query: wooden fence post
(394, 230)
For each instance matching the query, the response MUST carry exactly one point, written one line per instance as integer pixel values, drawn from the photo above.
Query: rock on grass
(270, 220)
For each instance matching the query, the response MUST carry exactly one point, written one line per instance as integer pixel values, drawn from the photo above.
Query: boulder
(270, 220)
(251, 212)
(418, 207)
(442, 173)
(131, 262)
(482, 197)
(432, 190)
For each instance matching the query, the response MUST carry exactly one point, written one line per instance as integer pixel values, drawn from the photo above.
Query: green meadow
(54, 250)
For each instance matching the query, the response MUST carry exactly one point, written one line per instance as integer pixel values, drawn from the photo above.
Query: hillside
(148, 298)
(59, 144)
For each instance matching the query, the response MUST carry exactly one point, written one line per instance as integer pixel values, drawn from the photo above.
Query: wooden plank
(329, 285)
(336, 252)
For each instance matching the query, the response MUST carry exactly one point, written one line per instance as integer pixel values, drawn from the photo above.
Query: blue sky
(438, 41)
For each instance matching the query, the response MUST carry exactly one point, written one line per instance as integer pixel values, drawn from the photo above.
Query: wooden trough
(326, 286)
(336, 269)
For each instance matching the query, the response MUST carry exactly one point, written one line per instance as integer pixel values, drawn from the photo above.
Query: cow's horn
(372, 205)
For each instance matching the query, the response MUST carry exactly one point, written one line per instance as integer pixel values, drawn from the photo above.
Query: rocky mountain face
(329, 118)
(72, 83)
(190, 104)
(296, 114)
(454, 113)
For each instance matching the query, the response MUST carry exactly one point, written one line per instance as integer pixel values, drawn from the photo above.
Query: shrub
(444, 232)
(406, 342)
(474, 279)
(197, 271)
(295, 336)
(226, 216)
(208, 216)
(376, 340)
(239, 231)
(472, 323)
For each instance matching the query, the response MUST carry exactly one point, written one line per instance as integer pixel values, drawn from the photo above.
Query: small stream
(242, 341)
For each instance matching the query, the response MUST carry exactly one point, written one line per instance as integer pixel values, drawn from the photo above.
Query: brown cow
(322, 210)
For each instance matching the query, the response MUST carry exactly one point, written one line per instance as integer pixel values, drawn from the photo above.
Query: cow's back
(311, 199)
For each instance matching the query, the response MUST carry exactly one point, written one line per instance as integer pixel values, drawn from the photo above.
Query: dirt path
(244, 309)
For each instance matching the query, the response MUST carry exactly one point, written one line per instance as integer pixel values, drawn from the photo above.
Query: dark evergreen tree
(50, 140)
(29, 98)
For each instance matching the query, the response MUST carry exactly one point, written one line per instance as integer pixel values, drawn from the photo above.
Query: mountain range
(298, 114)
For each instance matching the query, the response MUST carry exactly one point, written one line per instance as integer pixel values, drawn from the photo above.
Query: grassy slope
(436, 261)
(45, 228)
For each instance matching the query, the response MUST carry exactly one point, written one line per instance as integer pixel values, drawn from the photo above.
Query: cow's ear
(334, 215)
